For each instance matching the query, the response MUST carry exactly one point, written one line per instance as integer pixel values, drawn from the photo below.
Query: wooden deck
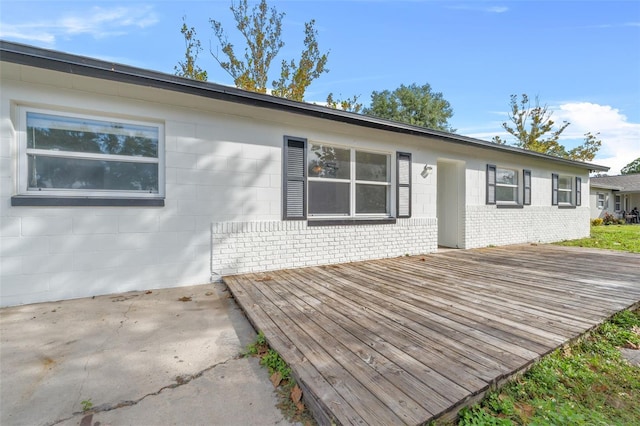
(411, 339)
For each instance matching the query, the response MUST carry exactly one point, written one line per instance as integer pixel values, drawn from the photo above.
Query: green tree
(533, 129)
(413, 104)
(261, 28)
(632, 167)
(295, 78)
(188, 68)
(588, 150)
(348, 104)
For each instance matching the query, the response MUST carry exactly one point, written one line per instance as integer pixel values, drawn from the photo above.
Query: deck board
(411, 339)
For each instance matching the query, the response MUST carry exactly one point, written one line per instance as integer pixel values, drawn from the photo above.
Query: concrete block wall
(223, 167)
(240, 247)
(212, 172)
(222, 164)
(488, 225)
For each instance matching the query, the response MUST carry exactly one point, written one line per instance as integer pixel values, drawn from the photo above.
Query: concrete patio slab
(161, 357)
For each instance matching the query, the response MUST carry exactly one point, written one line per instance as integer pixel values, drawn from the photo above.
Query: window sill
(26, 200)
(510, 206)
(351, 222)
(566, 206)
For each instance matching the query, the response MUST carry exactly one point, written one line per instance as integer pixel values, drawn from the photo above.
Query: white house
(116, 178)
(614, 194)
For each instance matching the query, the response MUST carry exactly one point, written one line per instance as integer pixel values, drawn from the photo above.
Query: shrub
(609, 219)
(597, 221)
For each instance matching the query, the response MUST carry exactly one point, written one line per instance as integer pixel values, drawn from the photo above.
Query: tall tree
(588, 150)
(533, 129)
(188, 68)
(413, 104)
(349, 104)
(261, 28)
(295, 78)
(631, 168)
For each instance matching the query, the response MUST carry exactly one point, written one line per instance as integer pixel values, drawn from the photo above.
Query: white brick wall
(488, 225)
(239, 247)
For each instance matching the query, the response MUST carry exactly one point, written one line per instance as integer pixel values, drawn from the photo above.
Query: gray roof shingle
(624, 183)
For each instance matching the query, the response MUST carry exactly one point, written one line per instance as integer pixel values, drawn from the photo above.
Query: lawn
(586, 383)
(613, 237)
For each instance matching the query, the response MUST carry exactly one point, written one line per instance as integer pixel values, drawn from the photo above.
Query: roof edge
(90, 67)
(604, 186)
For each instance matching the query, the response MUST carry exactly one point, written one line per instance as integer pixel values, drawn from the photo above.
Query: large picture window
(347, 182)
(78, 155)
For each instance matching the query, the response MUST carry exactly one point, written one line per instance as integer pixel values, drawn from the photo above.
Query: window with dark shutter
(403, 189)
(526, 187)
(491, 184)
(554, 189)
(578, 191)
(294, 179)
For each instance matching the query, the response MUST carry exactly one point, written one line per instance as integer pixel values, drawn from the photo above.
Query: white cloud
(481, 8)
(620, 138)
(98, 22)
(497, 9)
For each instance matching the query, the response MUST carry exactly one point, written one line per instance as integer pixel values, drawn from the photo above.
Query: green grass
(587, 383)
(612, 237)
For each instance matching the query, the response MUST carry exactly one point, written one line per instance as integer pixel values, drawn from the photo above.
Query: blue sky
(582, 58)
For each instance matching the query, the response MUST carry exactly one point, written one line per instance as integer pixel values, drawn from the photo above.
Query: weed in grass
(275, 364)
(259, 347)
(478, 416)
(86, 404)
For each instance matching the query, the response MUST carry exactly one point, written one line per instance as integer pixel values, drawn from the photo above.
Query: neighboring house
(614, 194)
(116, 178)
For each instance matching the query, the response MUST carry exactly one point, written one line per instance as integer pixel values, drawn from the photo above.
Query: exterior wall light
(426, 171)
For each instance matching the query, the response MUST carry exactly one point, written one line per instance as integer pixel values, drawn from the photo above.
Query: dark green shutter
(526, 187)
(554, 189)
(294, 182)
(578, 191)
(491, 184)
(403, 184)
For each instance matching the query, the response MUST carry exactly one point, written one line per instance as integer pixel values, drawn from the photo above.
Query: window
(325, 181)
(618, 203)
(347, 182)
(600, 200)
(78, 155)
(563, 190)
(503, 186)
(506, 186)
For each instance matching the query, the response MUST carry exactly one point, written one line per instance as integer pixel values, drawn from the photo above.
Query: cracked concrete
(140, 358)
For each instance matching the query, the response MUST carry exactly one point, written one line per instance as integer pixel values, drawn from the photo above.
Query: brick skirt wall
(488, 225)
(240, 247)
